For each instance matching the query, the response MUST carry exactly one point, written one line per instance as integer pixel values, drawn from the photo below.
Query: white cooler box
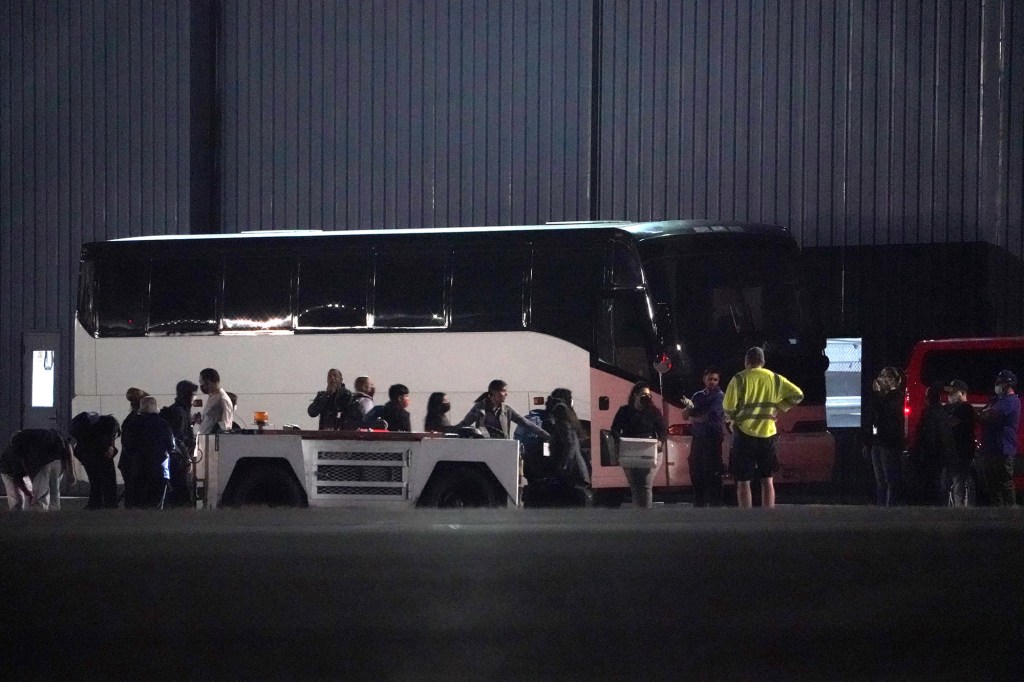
(639, 453)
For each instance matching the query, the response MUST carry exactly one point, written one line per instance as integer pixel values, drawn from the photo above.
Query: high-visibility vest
(755, 397)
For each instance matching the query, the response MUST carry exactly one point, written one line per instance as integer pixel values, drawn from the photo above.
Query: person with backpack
(330, 404)
(360, 404)
(177, 416)
(95, 437)
(537, 468)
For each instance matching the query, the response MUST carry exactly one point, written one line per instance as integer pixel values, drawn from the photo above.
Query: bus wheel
(266, 485)
(460, 487)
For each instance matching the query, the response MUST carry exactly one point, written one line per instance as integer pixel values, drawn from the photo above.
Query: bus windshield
(713, 304)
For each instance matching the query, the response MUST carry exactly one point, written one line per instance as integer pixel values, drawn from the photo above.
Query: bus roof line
(641, 230)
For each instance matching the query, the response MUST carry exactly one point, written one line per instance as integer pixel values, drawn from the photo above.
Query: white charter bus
(585, 306)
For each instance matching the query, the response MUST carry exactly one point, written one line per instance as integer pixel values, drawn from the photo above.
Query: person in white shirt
(218, 412)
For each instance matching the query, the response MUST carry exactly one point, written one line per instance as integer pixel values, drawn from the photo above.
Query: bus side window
(487, 289)
(409, 290)
(332, 291)
(257, 294)
(121, 297)
(562, 292)
(183, 295)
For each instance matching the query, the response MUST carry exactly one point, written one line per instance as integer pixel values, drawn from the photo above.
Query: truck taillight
(906, 414)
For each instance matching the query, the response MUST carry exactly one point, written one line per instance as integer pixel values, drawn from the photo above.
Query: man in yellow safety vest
(752, 402)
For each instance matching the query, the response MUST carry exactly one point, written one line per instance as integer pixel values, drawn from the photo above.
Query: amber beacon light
(260, 419)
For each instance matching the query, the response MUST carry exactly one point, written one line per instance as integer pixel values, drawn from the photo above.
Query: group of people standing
(156, 452)
(748, 409)
(946, 465)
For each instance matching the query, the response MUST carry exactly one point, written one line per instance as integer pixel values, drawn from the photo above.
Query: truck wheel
(461, 487)
(266, 485)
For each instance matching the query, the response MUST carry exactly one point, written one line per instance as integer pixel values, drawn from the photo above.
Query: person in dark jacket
(126, 463)
(934, 449)
(1000, 420)
(883, 441)
(394, 411)
(537, 467)
(638, 418)
(153, 442)
(177, 416)
(329, 405)
(707, 420)
(44, 456)
(96, 450)
(437, 419)
(360, 404)
(961, 483)
(572, 478)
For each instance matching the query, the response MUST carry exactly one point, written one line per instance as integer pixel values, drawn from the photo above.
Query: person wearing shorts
(752, 402)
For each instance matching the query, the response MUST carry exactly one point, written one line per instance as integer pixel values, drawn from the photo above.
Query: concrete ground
(807, 592)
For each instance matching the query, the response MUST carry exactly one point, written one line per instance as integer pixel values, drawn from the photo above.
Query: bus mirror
(662, 364)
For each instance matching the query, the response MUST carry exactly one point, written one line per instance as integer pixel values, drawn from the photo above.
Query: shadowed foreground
(807, 592)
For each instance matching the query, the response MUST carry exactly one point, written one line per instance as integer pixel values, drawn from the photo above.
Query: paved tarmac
(803, 592)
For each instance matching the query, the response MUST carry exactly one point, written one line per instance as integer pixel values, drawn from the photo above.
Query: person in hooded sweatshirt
(153, 441)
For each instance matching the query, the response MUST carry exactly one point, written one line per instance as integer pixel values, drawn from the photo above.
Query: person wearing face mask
(883, 437)
(999, 421)
(958, 474)
(437, 418)
(638, 418)
(360, 404)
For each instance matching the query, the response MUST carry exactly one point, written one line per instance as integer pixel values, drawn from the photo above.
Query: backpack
(535, 465)
(82, 425)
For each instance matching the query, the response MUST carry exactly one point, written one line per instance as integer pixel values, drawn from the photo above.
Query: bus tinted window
(409, 290)
(487, 290)
(121, 292)
(332, 294)
(626, 270)
(183, 295)
(564, 281)
(257, 294)
(621, 338)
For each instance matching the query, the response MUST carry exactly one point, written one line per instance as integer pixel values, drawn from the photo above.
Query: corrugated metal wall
(93, 145)
(855, 122)
(405, 114)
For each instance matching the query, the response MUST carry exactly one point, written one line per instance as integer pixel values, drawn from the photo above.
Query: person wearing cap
(999, 421)
(958, 473)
